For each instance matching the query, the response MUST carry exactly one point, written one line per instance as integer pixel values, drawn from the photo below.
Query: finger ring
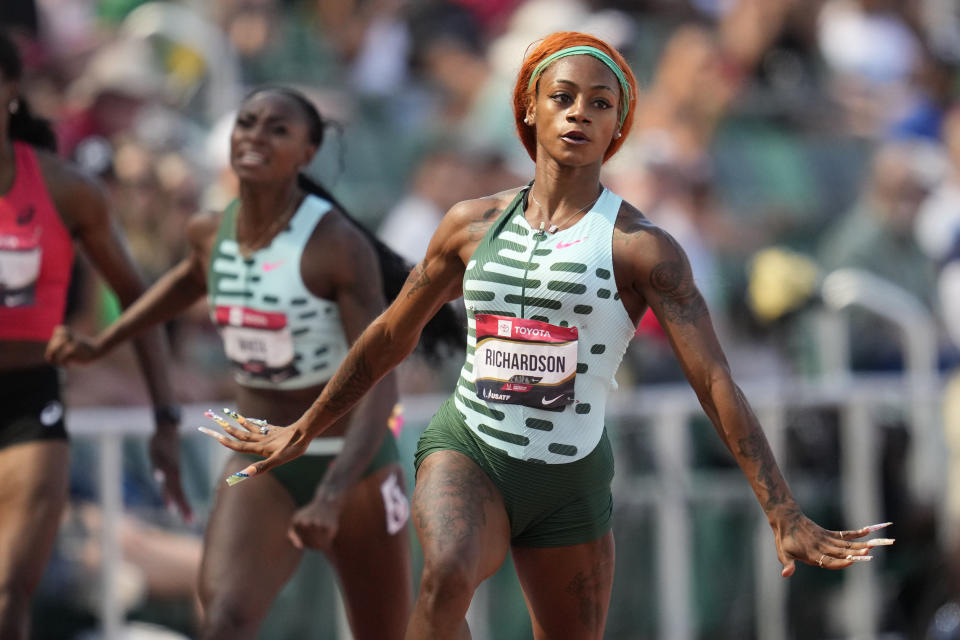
(264, 430)
(820, 563)
(841, 535)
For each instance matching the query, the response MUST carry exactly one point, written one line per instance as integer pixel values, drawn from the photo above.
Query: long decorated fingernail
(258, 422)
(880, 542)
(233, 414)
(877, 527)
(209, 432)
(859, 558)
(239, 476)
(220, 421)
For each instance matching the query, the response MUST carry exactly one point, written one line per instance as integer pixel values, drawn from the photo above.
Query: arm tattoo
(419, 279)
(351, 382)
(673, 282)
(478, 227)
(755, 448)
(679, 298)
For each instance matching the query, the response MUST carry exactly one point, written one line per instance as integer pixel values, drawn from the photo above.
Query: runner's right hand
(66, 347)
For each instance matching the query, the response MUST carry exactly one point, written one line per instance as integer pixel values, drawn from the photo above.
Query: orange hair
(523, 96)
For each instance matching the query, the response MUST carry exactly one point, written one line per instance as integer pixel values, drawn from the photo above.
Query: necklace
(264, 235)
(554, 227)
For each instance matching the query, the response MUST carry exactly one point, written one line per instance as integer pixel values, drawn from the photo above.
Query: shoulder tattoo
(477, 227)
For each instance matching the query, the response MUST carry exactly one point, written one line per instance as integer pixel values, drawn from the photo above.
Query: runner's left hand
(800, 538)
(316, 524)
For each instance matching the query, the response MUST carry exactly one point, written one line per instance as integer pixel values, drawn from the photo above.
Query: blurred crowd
(777, 140)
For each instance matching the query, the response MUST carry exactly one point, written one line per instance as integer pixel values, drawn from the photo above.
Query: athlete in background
(46, 205)
(292, 281)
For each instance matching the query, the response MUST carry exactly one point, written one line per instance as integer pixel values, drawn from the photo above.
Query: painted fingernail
(257, 422)
(209, 432)
(876, 527)
(239, 476)
(880, 542)
(853, 558)
(220, 421)
(233, 414)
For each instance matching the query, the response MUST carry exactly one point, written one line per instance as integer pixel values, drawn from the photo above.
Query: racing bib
(256, 342)
(528, 362)
(19, 270)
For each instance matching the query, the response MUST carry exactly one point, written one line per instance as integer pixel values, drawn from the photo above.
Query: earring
(527, 121)
(13, 106)
(619, 134)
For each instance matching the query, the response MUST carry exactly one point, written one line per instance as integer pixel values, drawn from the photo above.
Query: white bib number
(258, 343)
(19, 270)
(395, 503)
(528, 362)
(273, 348)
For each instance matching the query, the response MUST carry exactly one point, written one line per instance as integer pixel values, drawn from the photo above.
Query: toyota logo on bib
(504, 328)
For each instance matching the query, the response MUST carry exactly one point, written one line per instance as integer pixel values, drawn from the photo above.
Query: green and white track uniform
(277, 334)
(557, 454)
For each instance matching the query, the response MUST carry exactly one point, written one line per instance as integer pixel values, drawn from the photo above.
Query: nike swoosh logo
(551, 400)
(563, 245)
(270, 266)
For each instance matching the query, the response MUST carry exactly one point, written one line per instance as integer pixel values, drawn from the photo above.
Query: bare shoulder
(471, 218)
(340, 258)
(77, 195)
(636, 238)
(202, 228)
(338, 232)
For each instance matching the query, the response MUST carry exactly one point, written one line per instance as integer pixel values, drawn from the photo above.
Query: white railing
(672, 493)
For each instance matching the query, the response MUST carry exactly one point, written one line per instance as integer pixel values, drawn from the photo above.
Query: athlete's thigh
(567, 588)
(371, 555)
(460, 515)
(247, 556)
(32, 496)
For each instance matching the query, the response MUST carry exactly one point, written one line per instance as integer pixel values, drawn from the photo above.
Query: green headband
(584, 50)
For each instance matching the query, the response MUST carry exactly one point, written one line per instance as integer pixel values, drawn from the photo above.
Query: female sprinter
(46, 204)
(292, 281)
(555, 277)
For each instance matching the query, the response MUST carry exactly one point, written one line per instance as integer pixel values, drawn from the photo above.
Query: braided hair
(22, 125)
(444, 334)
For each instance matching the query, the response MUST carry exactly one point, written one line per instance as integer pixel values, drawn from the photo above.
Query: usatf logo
(504, 328)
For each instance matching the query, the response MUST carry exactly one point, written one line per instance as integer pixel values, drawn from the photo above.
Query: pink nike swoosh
(563, 245)
(270, 266)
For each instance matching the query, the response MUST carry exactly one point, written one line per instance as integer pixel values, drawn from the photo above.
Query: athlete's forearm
(373, 355)
(741, 432)
(368, 428)
(152, 354)
(170, 296)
